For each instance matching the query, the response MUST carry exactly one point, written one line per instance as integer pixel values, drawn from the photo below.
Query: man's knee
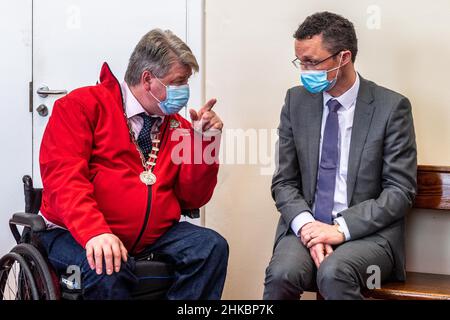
(221, 244)
(277, 275)
(215, 242)
(281, 275)
(334, 274)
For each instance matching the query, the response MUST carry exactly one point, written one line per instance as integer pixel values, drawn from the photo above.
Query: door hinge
(30, 96)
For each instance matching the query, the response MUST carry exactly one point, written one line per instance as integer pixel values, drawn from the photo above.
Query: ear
(346, 57)
(146, 79)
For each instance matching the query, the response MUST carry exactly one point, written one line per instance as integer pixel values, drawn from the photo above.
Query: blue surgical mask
(177, 98)
(316, 81)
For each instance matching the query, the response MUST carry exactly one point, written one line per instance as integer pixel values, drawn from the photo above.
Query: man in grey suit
(346, 172)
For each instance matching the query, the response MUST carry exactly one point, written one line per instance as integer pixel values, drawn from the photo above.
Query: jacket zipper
(147, 216)
(149, 199)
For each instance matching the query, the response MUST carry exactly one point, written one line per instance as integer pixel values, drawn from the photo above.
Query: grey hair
(156, 52)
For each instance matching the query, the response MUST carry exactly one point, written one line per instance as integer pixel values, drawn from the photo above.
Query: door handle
(44, 92)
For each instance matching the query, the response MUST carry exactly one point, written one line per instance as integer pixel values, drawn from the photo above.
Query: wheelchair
(26, 274)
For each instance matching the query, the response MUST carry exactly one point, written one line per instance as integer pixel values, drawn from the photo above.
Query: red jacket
(90, 171)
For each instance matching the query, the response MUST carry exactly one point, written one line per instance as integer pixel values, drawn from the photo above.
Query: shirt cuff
(299, 221)
(343, 224)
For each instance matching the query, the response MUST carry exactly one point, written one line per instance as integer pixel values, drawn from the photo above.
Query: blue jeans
(199, 255)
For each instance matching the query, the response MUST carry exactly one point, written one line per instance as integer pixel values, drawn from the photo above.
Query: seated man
(114, 184)
(346, 173)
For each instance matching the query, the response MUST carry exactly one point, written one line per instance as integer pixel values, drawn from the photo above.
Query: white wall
(402, 45)
(15, 129)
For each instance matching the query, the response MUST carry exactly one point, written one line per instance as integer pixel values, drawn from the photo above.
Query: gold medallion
(174, 124)
(148, 178)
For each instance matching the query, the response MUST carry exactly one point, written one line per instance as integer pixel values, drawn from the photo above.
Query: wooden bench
(433, 193)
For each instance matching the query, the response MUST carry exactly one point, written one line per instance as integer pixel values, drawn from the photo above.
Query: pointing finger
(208, 106)
(193, 114)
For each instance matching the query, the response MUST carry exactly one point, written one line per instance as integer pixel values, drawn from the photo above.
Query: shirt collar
(348, 98)
(132, 105)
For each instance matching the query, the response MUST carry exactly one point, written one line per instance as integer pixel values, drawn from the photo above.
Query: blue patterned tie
(328, 165)
(144, 139)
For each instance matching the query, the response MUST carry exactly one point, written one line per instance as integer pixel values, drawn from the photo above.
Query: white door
(62, 44)
(15, 127)
(72, 38)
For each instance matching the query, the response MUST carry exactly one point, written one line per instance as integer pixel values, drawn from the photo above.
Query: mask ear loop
(152, 93)
(159, 101)
(160, 81)
(338, 67)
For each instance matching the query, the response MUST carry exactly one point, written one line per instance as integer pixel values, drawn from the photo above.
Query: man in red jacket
(119, 164)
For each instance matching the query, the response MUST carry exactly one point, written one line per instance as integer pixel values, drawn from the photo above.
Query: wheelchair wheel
(16, 279)
(30, 273)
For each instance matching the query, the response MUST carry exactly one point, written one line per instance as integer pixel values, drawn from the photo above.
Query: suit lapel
(313, 124)
(361, 125)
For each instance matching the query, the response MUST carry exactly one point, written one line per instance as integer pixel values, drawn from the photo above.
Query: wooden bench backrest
(433, 187)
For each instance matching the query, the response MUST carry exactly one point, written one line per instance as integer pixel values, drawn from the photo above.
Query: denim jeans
(199, 256)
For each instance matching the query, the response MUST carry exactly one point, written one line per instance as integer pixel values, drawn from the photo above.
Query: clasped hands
(319, 237)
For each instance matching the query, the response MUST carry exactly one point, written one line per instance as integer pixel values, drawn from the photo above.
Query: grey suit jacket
(381, 178)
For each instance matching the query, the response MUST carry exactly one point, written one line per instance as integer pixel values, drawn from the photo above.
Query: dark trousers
(341, 276)
(199, 255)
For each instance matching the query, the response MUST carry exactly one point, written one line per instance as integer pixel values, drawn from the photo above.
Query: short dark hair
(338, 33)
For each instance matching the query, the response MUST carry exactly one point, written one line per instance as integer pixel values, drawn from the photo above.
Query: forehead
(310, 47)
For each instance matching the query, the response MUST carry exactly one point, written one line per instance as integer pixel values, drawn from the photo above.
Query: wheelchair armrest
(35, 222)
(191, 213)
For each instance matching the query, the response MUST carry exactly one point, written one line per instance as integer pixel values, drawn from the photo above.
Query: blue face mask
(177, 98)
(316, 81)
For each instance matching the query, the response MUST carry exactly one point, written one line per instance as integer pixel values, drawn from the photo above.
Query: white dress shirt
(133, 108)
(345, 118)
